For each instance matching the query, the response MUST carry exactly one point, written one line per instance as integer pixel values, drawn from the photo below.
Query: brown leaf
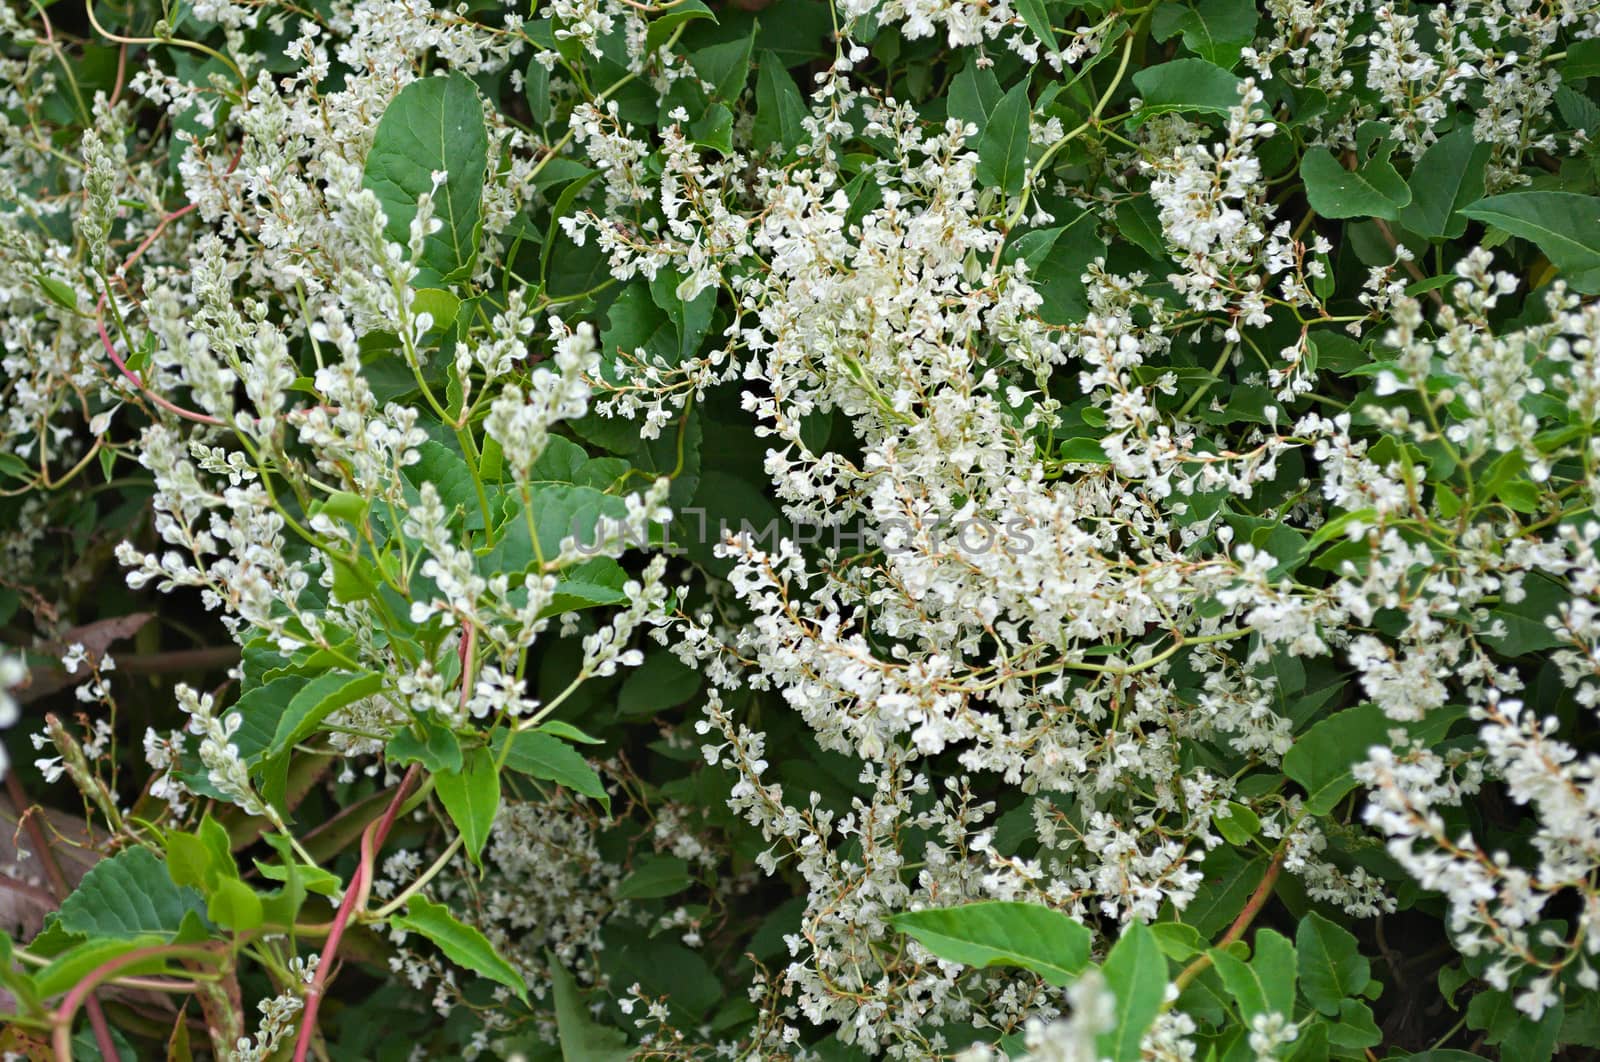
(99, 636)
(75, 845)
(96, 638)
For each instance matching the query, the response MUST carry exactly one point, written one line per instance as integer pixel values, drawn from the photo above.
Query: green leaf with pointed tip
(974, 92)
(1331, 964)
(1136, 972)
(1002, 933)
(1374, 190)
(462, 944)
(1266, 983)
(67, 970)
(59, 292)
(451, 477)
(320, 698)
(1192, 85)
(128, 895)
(234, 905)
(1323, 758)
(581, 1039)
(726, 65)
(1003, 142)
(1448, 177)
(567, 732)
(434, 125)
(1564, 225)
(1242, 982)
(780, 109)
(542, 755)
(471, 796)
(438, 750)
(1215, 30)
(654, 877)
(1038, 20)
(1275, 963)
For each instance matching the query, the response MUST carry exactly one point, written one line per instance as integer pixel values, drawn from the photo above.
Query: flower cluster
(1157, 447)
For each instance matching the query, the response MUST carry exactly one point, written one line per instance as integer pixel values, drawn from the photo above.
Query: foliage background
(1269, 325)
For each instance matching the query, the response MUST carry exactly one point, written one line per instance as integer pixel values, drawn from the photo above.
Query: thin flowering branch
(122, 367)
(355, 898)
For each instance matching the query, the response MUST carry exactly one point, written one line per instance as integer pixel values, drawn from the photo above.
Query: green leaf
(1578, 110)
(1242, 982)
(438, 750)
(581, 1039)
(1524, 620)
(661, 682)
(259, 710)
(471, 796)
(974, 93)
(450, 475)
(1322, 759)
(1236, 823)
(1332, 967)
(1583, 60)
(690, 319)
(567, 732)
(1229, 879)
(1373, 191)
(540, 755)
(234, 905)
(434, 124)
(780, 109)
(714, 129)
(1192, 85)
(1355, 1027)
(559, 511)
(15, 467)
(1136, 972)
(1002, 933)
(1217, 31)
(726, 65)
(58, 291)
(202, 858)
(1083, 451)
(662, 26)
(461, 944)
(438, 304)
(1564, 225)
(1033, 13)
(1003, 143)
(320, 698)
(1448, 177)
(654, 877)
(1139, 220)
(23, 987)
(536, 89)
(67, 970)
(1275, 963)
(129, 895)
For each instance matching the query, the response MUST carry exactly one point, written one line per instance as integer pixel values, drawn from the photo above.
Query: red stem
(355, 897)
(116, 359)
(100, 305)
(83, 992)
(1252, 907)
